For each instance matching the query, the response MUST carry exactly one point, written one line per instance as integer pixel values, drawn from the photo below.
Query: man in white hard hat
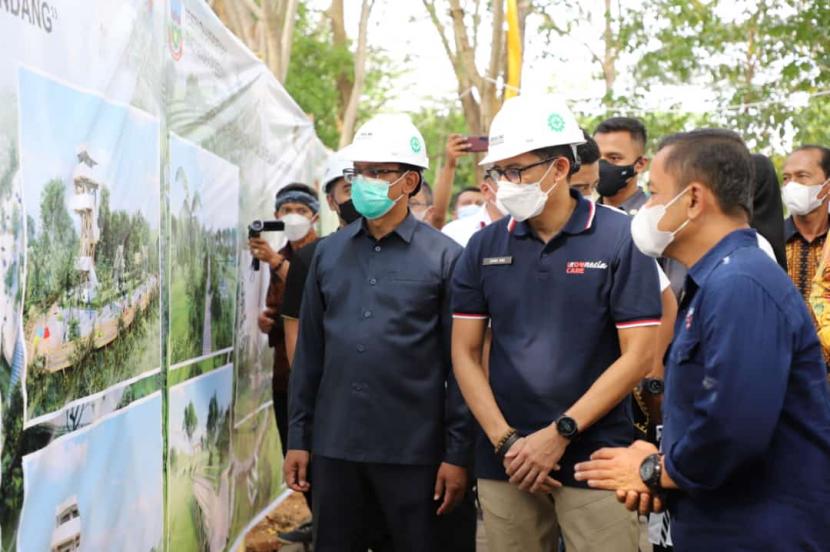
(374, 409)
(574, 308)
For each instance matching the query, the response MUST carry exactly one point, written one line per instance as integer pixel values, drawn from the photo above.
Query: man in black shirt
(338, 195)
(372, 394)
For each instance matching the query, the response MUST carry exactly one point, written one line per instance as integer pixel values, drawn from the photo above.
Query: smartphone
(478, 143)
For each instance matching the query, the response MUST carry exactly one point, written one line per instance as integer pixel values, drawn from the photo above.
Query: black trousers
(351, 497)
(457, 529)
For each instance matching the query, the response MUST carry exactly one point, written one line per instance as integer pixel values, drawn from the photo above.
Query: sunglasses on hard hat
(350, 174)
(513, 174)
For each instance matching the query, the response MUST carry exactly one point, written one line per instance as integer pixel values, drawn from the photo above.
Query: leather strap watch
(650, 472)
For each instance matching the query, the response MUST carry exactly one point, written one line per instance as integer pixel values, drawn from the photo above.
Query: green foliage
(133, 352)
(53, 247)
(317, 63)
(212, 418)
(11, 467)
(312, 74)
(190, 421)
(753, 53)
(436, 123)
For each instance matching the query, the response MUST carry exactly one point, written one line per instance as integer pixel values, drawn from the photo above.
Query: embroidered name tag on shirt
(490, 261)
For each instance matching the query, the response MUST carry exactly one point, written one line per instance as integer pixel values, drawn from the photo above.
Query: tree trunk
(350, 113)
(609, 61)
(345, 80)
(489, 98)
(287, 37)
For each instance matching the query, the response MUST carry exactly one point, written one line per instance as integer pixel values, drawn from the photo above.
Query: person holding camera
(297, 206)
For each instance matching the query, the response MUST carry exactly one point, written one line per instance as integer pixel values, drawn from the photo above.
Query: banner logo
(175, 33)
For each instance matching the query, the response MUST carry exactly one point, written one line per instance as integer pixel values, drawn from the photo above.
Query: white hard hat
(335, 165)
(530, 122)
(388, 138)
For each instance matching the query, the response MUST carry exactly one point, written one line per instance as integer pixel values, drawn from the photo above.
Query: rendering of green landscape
(88, 328)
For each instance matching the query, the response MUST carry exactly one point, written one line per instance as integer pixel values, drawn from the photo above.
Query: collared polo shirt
(372, 378)
(633, 204)
(555, 310)
(746, 413)
(461, 230)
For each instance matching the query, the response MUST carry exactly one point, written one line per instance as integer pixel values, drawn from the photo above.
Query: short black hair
(634, 127)
(297, 187)
(589, 151)
(825, 156)
(329, 187)
(717, 158)
(565, 151)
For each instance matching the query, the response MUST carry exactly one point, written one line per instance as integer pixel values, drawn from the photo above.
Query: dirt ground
(291, 513)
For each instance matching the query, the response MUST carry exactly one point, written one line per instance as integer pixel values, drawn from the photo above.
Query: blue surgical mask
(468, 210)
(370, 196)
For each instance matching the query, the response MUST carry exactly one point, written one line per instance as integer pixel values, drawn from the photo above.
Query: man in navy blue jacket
(746, 438)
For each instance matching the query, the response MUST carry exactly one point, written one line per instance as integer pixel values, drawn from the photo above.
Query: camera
(257, 227)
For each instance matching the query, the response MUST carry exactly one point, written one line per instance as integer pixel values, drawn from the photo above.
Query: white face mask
(468, 210)
(523, 201)
(296, 226)
(801, 199)
(647, 237)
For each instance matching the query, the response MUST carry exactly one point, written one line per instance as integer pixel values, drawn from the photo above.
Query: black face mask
(347, 212)
(613, 178)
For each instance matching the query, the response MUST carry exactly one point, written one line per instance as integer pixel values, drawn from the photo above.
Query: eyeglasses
(513, 174)
(350, 174)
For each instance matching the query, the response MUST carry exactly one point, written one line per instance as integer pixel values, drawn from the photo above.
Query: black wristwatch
(653, 386)
(650, 472)
(566, 426)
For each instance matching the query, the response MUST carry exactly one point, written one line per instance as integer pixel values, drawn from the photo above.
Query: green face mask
(370, 196)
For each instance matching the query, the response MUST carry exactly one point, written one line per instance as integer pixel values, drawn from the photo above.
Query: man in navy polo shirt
(574, 309)
(746, 435)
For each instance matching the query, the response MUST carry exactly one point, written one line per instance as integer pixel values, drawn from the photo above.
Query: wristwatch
(566, 426)
(653, 386)
(650, 472)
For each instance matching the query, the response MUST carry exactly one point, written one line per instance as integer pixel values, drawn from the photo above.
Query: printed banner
(138, 140)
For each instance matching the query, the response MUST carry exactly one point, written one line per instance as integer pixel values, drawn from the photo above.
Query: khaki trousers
(589, 520)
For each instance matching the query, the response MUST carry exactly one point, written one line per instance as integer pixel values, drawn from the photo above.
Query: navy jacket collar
(735, 240)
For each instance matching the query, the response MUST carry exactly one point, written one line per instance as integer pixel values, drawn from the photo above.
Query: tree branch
(442, 33)
(350, 115)
(287, 37)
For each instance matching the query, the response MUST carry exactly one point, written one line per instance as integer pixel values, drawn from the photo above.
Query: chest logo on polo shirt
(579, 267)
